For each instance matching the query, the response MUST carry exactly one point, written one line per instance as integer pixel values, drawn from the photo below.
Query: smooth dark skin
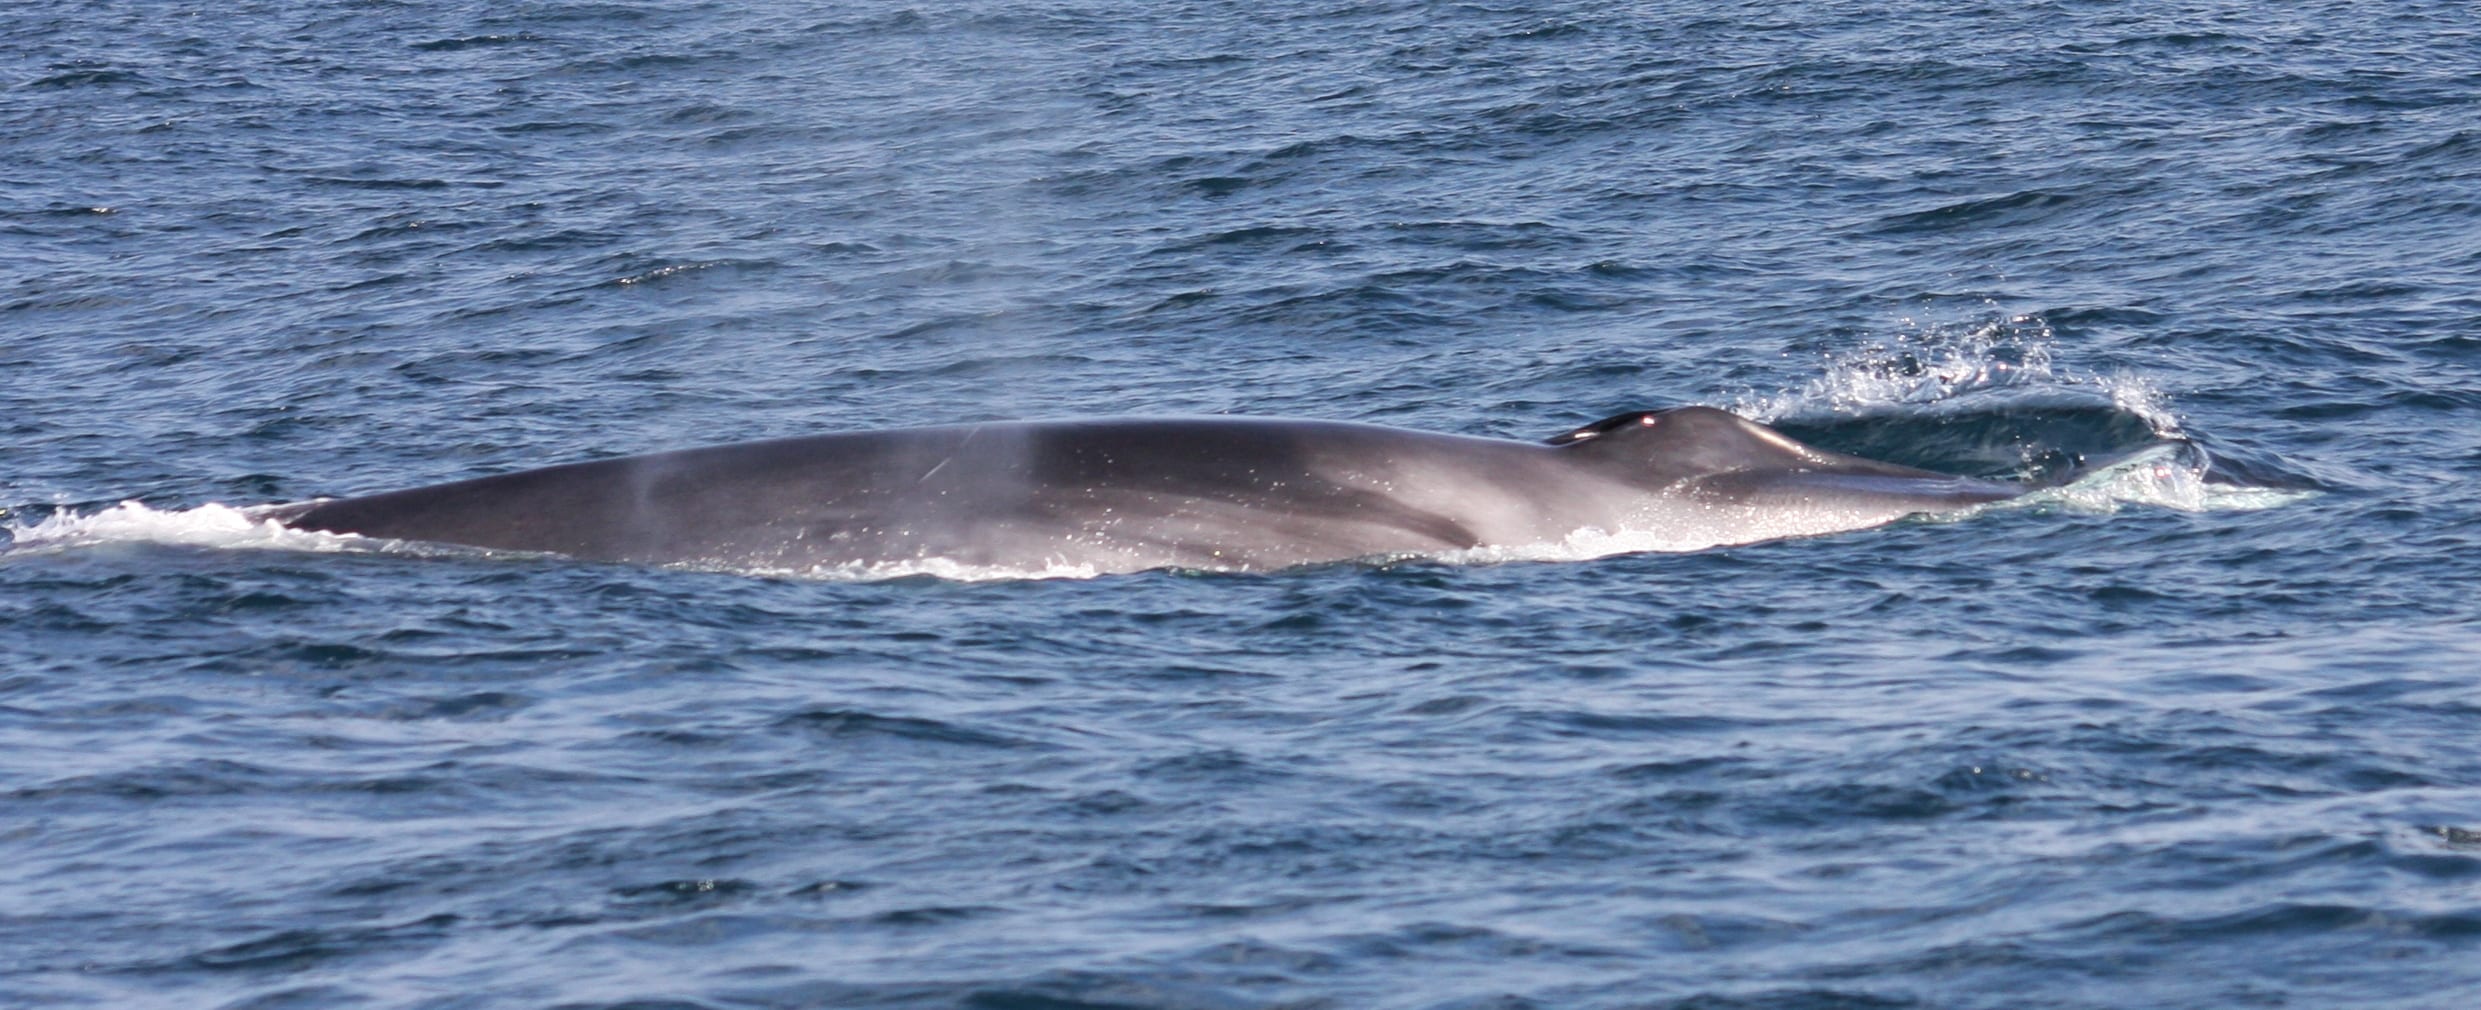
(1128, 494)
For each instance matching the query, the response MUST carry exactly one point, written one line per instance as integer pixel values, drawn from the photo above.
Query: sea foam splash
(936, 568)
(222, 526)
(2173, 476)
(209, 525)
(1997, 374)
(1957, 366)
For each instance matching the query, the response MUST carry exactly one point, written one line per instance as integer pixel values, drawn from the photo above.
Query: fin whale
(1127, 494)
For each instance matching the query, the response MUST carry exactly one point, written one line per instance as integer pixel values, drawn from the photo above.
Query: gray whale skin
(1126, 494)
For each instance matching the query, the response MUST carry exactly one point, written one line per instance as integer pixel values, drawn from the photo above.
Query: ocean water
(2200, 729)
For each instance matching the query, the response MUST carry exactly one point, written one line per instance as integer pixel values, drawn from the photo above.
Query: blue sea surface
(2201, 729)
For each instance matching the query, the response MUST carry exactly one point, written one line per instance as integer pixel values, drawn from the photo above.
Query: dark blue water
(2202, 731)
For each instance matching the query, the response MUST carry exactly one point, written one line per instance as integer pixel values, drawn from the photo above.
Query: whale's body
(1215, 493)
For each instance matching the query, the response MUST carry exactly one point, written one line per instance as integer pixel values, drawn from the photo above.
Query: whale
(1213, 493)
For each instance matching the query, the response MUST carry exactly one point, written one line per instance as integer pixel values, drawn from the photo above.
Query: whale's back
(1115, 495)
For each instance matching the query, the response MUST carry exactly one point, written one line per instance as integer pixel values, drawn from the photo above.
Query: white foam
(1922, 365)
(2164, 476)
(941, 568)
(210, 525)
(1954, 366)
